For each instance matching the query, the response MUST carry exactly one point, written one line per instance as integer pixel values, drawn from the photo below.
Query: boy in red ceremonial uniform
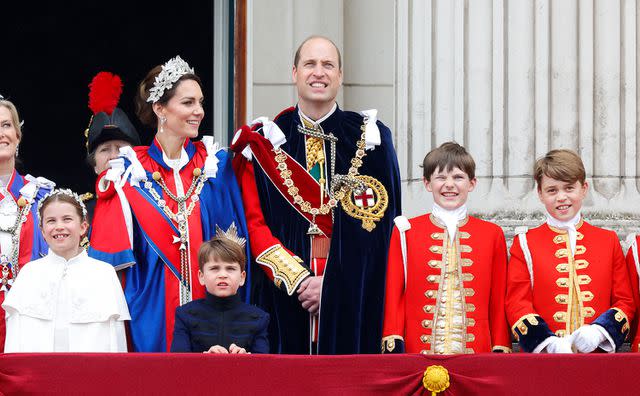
(633, 264)
(446, 273)
(568, 287)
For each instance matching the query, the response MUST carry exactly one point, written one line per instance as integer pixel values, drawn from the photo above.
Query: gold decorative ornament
(86, 196)
(342, 186)
(368, 214)
(286, 268)
(436, 379)
(181, 219)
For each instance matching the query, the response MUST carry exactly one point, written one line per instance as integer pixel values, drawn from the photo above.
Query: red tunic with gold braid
(633, 264)
(568, 290)
(467, 315)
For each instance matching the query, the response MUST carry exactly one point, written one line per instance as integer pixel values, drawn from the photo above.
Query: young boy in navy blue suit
(221, 322)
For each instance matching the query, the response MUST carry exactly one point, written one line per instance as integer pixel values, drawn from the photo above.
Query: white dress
(57, 305)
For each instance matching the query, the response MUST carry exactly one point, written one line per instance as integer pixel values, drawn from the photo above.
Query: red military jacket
(599, 276)
(633, 265)
(409, 310)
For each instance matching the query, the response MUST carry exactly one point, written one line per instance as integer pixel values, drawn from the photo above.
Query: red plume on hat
(104, 92)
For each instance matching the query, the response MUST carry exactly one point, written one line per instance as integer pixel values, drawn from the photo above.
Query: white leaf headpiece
(62, 191)
(170, 73)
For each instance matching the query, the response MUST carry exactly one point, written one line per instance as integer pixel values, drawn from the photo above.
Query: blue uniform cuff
(530, 330)
(616, 323)
(393, 344)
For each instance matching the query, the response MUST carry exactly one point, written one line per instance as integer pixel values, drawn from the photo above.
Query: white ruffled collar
(450, 218)
(569, 226)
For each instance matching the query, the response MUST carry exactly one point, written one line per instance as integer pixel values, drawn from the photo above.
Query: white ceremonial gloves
(589, 337)
(559, 345)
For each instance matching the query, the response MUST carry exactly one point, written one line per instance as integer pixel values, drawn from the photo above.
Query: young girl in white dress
(65, 301)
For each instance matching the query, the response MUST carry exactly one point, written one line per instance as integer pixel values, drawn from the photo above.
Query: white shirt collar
(319, 121)
(450, 218)
(569, 226)
(83, 254)
(176, 164)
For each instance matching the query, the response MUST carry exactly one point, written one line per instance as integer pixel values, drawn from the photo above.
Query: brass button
(424, 338)
(559, 317)
(561, 298)
(428, 308)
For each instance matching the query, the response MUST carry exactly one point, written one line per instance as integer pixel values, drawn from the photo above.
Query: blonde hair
(14, 116)
(564, 165)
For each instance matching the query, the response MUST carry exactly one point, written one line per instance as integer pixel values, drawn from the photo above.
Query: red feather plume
(104, 92)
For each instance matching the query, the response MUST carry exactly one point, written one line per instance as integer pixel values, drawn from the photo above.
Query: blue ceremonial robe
(152, 283)
(352, 300)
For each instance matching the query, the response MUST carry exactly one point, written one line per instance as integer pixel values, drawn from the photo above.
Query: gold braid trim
(520, 325)
(619, 317)
(287, 270)
(389, 343)
(504, 349)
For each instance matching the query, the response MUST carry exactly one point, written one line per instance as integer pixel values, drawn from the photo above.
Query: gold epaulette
(287, 269)
(389, 343)
(86, 196)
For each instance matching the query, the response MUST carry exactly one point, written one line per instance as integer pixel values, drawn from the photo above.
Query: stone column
(512, 79)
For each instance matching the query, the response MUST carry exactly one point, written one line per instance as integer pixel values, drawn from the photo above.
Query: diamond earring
(162, 121)
(17, 148)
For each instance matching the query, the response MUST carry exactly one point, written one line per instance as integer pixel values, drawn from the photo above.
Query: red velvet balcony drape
(487, 374)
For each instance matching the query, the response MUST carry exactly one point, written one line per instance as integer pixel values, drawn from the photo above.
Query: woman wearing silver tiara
(20, 238)
(65, 301)
(157, 204)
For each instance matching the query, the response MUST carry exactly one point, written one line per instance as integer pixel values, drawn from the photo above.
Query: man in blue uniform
(321, 188)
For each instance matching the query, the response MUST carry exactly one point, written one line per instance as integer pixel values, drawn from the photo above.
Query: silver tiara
(170, 73)
(231, 234)
(62, 191)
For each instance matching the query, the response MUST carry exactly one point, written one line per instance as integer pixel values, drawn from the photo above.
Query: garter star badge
(367, 204)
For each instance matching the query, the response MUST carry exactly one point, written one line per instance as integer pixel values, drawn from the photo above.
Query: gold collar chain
(337, 191)
(181, 217)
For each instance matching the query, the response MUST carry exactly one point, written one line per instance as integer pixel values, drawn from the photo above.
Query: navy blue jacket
(223, 321)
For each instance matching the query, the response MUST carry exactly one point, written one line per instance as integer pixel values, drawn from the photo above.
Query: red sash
(309, 188)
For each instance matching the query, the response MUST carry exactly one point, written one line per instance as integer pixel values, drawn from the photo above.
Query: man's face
(317, 75)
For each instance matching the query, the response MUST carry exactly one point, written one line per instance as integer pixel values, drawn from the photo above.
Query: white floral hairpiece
(62, 191)
(170, 73)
